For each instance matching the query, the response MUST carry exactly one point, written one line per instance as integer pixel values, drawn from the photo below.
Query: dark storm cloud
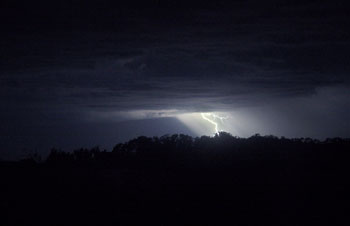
(63, 59)
(171, 71)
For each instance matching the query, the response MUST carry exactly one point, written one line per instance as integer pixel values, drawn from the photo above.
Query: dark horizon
(43, 155)
(142, 143)
(178, 180)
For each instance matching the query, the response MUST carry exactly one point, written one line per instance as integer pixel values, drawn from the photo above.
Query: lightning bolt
(211, 121)
(219, 117)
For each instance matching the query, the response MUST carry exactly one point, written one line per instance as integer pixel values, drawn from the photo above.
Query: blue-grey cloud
(165, 55)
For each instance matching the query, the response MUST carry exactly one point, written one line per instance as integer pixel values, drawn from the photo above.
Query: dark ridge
(180, 180)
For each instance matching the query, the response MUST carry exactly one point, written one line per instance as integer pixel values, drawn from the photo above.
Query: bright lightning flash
(211, 117)
(211, 121)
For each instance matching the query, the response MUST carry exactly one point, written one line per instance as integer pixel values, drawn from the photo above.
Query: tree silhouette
(203, 181)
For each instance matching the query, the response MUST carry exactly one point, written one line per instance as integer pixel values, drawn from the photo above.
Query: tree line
(223, 148)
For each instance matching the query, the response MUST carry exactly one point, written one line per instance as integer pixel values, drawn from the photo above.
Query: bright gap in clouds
(200, 123)
(207, 123)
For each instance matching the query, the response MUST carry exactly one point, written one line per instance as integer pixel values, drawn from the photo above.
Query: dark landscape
(180, 180)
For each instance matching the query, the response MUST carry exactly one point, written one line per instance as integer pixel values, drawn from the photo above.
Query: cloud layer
(64, 63)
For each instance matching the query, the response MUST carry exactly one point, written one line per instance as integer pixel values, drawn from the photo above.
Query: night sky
(81, 73)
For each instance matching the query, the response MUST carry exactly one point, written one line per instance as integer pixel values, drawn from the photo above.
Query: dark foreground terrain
(177, 180)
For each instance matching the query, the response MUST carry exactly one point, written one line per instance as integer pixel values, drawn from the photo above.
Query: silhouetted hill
(180, 180)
